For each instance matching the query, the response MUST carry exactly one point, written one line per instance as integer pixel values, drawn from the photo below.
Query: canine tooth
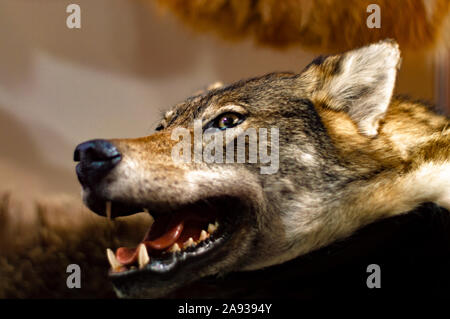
(212, 228)
(143, 258)
(203, 235)
(188, 243)
(174, 248)
(108, 210)
(115, 264)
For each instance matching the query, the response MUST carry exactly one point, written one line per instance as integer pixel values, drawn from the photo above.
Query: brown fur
(410, 135)
(323, 25)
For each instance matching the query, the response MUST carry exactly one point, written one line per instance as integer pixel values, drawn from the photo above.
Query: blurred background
(115, 76)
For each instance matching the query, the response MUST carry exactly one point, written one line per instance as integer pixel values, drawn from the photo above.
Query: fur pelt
(322, 25)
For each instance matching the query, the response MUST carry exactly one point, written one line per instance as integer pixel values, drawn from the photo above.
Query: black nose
(97, 158)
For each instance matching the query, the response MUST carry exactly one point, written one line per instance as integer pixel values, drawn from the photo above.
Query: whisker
(108, 210)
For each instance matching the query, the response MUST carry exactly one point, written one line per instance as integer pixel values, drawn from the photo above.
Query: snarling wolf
(349, 154)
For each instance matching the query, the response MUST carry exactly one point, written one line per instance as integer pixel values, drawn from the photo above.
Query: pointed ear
(359, 82)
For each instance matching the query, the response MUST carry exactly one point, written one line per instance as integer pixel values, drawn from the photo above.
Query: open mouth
(187, 235)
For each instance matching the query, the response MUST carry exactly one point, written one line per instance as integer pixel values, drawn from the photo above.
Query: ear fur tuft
(359, 82)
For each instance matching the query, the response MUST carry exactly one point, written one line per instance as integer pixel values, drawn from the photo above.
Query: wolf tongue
(167, 230)
(128, 256)
(168, 239)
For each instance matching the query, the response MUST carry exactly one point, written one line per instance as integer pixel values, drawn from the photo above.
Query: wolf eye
(228, 120)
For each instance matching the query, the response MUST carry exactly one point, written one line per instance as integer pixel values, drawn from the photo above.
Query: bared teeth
(174, 248)
(188, 243)
(143, 258)
(212, 228)
(203, 235)
(115, 264)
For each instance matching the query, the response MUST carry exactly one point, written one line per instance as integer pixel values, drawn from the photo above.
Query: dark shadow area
(412, 250)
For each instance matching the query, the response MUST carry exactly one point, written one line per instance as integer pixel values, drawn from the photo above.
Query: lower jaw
(204, 226)
(166, 272)
(171, 239)
(166, 261)
(162, 277)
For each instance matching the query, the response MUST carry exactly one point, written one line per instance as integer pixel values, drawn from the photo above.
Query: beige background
(112, 78)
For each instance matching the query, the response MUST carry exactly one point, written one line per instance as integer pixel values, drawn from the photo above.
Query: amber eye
(228, 120)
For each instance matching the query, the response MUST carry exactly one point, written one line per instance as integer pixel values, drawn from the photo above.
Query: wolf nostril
(96, 157)
(95, 150)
